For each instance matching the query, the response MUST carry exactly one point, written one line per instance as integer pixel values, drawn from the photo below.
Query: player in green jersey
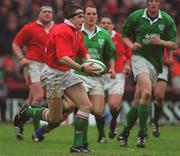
(152, 31)
(100, 47)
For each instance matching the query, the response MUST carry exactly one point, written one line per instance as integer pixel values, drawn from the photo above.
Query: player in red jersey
(33, 36)
(115, 87)
(64, 44)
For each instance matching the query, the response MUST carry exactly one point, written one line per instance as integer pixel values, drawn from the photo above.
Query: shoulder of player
(64, 30)
(105, 33)
(166, 16)
(137, 13)
(29, 26)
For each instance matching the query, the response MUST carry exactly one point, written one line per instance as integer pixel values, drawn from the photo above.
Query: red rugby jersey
(122, 51)
(64, 40)
(34, 37)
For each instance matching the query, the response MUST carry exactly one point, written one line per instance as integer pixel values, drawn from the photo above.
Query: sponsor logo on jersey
(161, 27)
(101, 42)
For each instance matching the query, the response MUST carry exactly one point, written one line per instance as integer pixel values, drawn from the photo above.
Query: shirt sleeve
(22, 37)
(171, 34)
(63, 45)
(127, 28)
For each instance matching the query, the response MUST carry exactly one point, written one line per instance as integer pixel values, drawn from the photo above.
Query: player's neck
(91, 28)
(47, 25)
(152, 14)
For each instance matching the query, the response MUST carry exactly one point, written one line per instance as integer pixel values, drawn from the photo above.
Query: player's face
(153, 5)
(46, 16)
(106, 23)
(78, 20)
(90, 16)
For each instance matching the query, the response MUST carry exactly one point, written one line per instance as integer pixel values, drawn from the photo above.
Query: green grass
(58, 142)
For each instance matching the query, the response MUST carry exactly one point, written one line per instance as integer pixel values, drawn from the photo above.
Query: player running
(152, 31)
(115, 87)
(64, 44)
(100, 47)
(34, 37)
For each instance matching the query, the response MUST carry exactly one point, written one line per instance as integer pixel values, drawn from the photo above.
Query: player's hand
(89, 69)
(136, 46)
(112, 73)
(169, 61)
(155, 40)
(126, 71)
(24, 62)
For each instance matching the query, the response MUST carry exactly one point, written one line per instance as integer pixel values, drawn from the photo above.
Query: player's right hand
(91, 70)
(24, 62)
(136, 46)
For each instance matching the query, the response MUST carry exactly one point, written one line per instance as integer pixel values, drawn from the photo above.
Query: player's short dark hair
(70, 9)
(106, 16)
(43, 6)
(90, 6)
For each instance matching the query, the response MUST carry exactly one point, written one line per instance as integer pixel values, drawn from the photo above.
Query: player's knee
(115, 107)
(85, 108)
(147, 95)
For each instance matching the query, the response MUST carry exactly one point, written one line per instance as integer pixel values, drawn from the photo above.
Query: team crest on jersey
(101, 42)
(161, 27)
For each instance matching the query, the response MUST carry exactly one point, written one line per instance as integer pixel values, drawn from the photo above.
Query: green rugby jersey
(100, 46)
(141, 27)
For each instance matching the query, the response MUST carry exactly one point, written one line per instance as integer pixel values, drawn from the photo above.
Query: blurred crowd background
(15, 13)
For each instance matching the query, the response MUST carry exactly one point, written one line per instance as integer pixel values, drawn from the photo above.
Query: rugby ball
(95, 63)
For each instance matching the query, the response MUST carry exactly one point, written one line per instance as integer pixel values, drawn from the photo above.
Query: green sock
(36, 124)
(35, 112)
(131, 118)
(80, 129)
(143, 114)
(85, 137)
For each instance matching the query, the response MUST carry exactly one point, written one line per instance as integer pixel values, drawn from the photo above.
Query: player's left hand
(112, 72)
(155, 40)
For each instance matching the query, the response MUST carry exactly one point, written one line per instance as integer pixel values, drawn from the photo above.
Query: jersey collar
(90, 35)
(40, 23)
(151, 22)
(113, 33)
(68, 22)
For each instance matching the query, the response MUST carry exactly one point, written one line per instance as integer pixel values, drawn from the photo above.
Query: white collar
(151, 22)
(40, 23)
(113, 33)
(83, 29)
(68, 22)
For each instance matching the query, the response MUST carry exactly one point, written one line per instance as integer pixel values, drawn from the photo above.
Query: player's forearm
(128, 42)
(111, 64)
(17, 50)
(67, 61)
(169, 44)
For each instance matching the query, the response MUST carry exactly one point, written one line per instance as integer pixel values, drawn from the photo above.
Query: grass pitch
(58, 142)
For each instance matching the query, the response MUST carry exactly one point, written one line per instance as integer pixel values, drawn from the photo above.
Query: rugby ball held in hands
(96, 63)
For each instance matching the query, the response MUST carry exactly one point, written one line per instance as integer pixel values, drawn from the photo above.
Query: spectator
(8, 34)
(3, 95)
(175, 71)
